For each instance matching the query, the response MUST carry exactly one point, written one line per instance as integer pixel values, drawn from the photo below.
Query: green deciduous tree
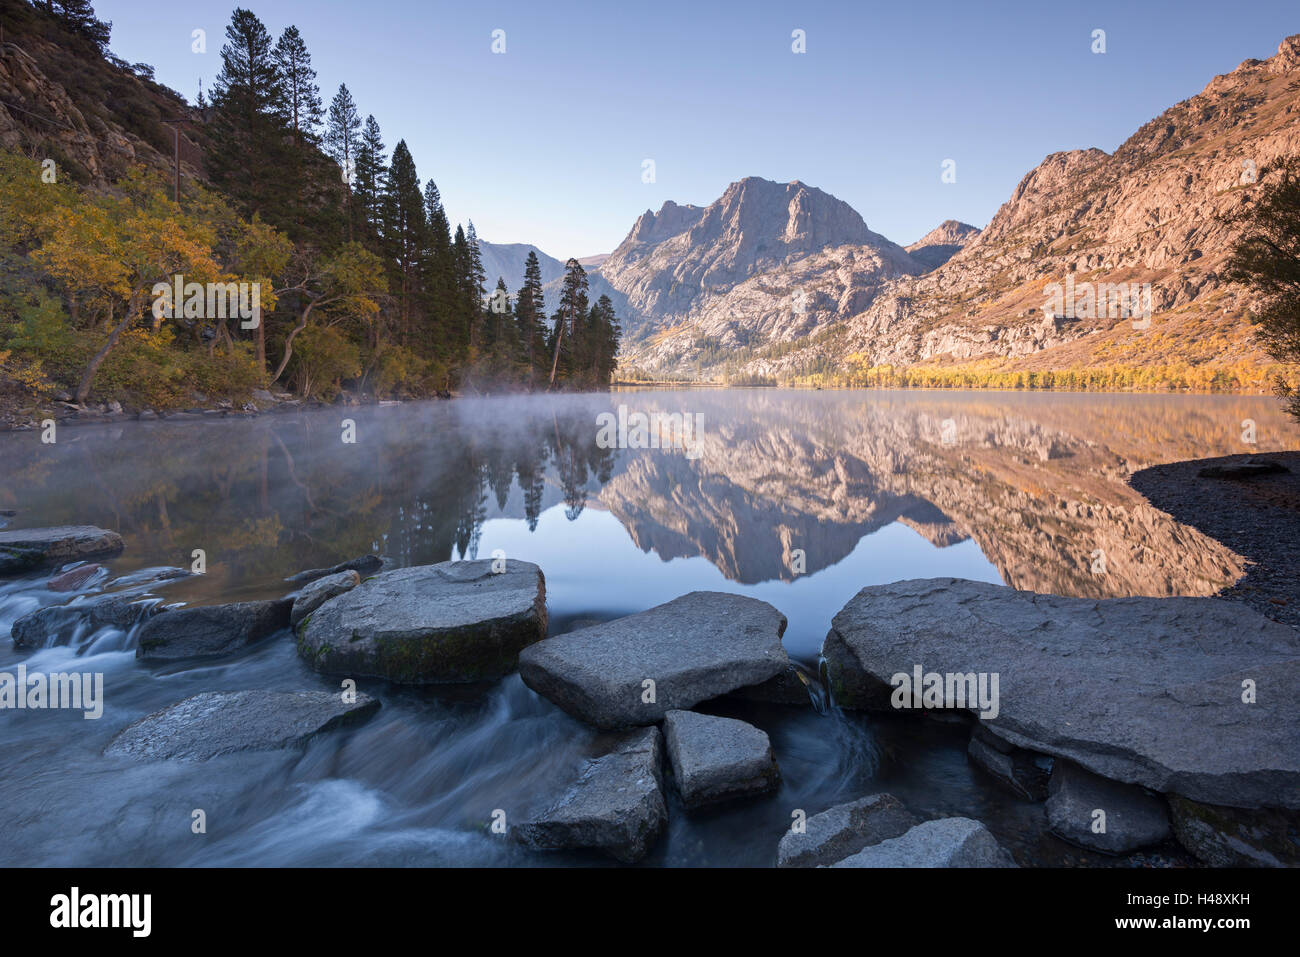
(1267, 261)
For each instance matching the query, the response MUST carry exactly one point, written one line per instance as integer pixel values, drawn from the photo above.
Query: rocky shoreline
(23, 416)
(1253, 509)
(1131, 723)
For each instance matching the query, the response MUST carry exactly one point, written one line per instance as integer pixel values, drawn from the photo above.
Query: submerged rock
(947, 842)
(1232, 837)
(23, 549)
(791, 687)
(206, 630)
(1103, 815)
(843, 830)
(321, 591)
(453, 622)
(56, 624)
(717, 759)
(221, 722)
(74, 578)
(1148, 691)
(634, 670)
(363, 565)
(1022, 772)
(616, 806)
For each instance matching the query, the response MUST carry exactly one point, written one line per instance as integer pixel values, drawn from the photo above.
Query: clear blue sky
(545, 143)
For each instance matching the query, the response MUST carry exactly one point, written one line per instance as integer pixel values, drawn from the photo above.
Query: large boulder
(947, 842)
(843, 830)
(1103, 815)
(23, 549)
(453, 622)
(221, 722)
(717, 759)
(634, 670)
(206, 630)
(1149, 691)
(59, 624)
(319, 592)
(1233, 837)
(616, 806)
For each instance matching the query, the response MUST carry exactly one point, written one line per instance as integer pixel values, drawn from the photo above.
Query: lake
(797, 498)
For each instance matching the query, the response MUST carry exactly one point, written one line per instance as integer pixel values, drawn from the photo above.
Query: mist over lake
(796, 498)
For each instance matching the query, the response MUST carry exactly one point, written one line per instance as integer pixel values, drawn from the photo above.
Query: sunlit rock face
(1159, 210)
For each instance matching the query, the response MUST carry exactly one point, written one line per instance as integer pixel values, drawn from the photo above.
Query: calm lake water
(797, 498)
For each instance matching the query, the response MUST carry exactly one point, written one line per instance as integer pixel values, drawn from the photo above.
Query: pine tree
(604, 334)
(448, 337)
(79, 17)
(568, 318)
(248, 97)
(404, 231)
(468, 304)
(371, 171)
(503, 349)
(530, 316)
(342, 141)
(302, 96)
(474, 277)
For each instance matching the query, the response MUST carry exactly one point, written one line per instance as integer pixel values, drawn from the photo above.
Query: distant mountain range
(506, 260)
(782, 279)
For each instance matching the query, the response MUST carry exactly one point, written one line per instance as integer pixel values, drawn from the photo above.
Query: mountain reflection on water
(799, 498)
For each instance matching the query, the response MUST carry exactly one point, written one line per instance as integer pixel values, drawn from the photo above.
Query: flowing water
(797, 498)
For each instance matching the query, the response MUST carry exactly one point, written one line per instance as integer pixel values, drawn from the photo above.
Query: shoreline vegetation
(303, 256)
(1112, 380)
(24, 414)
(366, 291)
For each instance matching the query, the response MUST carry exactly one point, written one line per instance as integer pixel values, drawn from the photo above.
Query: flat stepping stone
(843, 830)
(204, 631)
(23, 549)
(1103, 815)
(616, 806)
(1148, 691)
(634, 670)
(718, 759)
(947, 842)
(452, 622)
(223, 722)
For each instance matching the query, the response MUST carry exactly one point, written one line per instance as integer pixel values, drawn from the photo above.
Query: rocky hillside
(94, 115)
(676, 262)
(1155, 211)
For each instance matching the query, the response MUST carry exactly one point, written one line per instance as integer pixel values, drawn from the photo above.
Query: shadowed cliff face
(1041, 488)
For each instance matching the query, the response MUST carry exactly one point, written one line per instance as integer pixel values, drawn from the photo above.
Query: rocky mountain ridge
(1156, 211)
(676, 261)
